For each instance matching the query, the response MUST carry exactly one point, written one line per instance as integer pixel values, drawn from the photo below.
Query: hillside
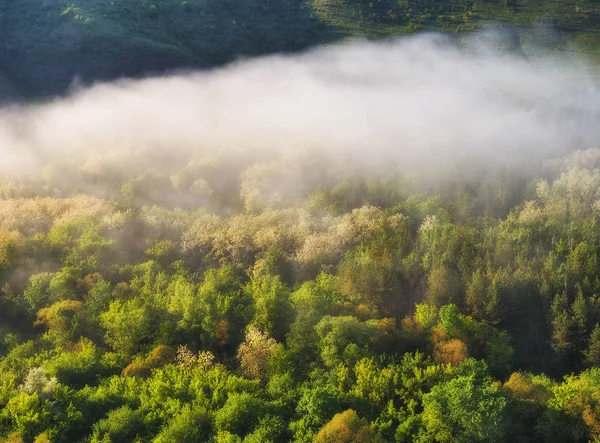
(45, 46)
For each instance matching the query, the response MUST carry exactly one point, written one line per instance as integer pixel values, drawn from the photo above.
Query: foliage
(345, 428)
(254, 353)
(464, 409)
(346, 310)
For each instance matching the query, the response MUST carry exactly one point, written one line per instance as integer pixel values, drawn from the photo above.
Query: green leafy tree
(36, 294)
(122, 424)
(344, 340)
(316, 406)
(271, 304)
(464, 410)
(192, 424)
(269, 430)
(240, 414)
(129, 325)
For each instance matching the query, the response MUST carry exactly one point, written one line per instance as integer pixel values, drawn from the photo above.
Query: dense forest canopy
(392, 242)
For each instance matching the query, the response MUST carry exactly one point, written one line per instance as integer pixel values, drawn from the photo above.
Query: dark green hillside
(45, 45)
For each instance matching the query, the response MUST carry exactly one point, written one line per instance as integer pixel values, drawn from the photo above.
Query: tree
(344, 339)
(311, 301)
(220, 308)
(426, 316)
(527, 397)
(315, 406)
(453, 351)
(271, 304)
(592, 353)
(580, 316)
(269, 430)
(240, 414)
(36, 293)
(562, 324)
(442, 286)
(370, 274)
(255, 352)
(27, 414)
(129, 325)
(192, 424)
(498, 352)
(77, 365)
(42, 438)
(63, 285)
(10, 246)
(464, 410)
(347, 427)
(98, 297)
(66, 321)
(37, 382)
(374, 384)
(158, 358)
(476, 298)
(573, 413)
(122, 424)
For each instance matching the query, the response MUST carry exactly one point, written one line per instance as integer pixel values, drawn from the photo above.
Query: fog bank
(416, 101)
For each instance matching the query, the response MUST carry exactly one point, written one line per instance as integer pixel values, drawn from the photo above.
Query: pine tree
(561, 323)
(580, 319)
(592, 353)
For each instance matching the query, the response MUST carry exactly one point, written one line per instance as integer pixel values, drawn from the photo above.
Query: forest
(261, 296)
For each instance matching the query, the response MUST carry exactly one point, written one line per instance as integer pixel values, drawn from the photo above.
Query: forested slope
(46, 46)
(217, 299)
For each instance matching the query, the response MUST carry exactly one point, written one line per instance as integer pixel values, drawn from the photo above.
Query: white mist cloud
(415, 100)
